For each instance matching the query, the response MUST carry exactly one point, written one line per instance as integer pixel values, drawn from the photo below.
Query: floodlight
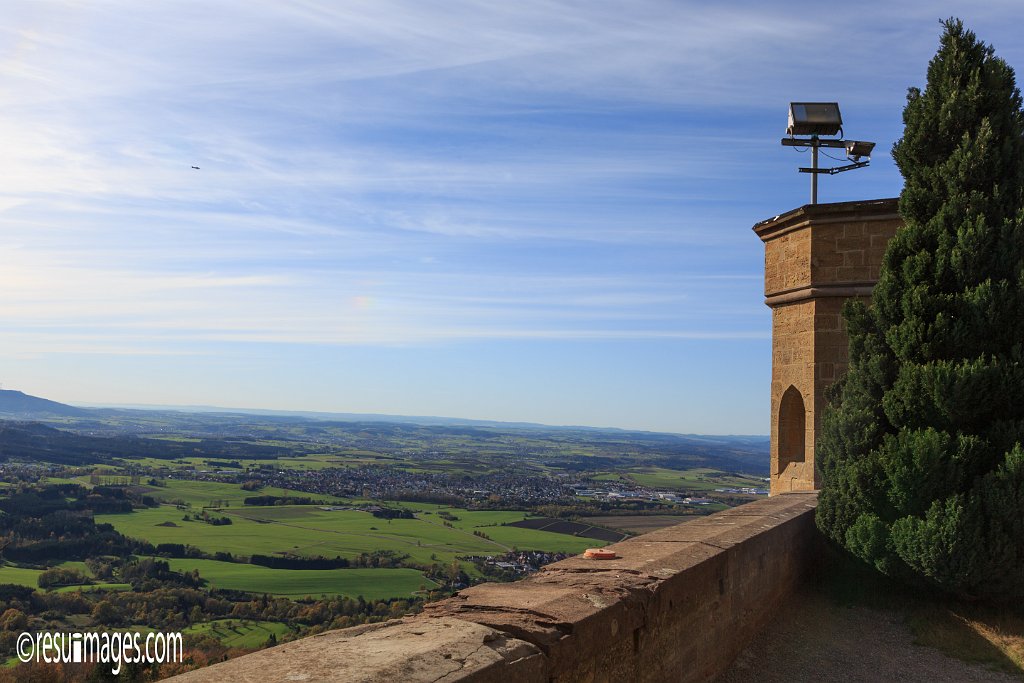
(814, 118)
(855, 149)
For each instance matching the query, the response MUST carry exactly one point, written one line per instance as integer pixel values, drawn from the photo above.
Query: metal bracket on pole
(837, 169)
(814, 142)
(806, 142)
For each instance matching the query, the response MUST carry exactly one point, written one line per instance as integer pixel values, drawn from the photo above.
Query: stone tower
(815, 258)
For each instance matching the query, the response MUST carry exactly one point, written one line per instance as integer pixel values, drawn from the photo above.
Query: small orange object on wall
(599, 554)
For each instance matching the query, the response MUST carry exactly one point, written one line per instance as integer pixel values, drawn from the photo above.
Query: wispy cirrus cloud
(402, 174)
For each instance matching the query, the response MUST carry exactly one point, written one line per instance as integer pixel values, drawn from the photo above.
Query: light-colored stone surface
(405, 651)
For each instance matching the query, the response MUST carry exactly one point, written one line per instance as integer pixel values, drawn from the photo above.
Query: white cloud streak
(388, 172)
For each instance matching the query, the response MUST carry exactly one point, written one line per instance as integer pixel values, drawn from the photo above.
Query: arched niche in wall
(792, 428)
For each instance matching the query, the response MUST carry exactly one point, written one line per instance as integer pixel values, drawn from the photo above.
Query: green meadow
(236, 633)
(23, 576)
(698, 479)
(309, 531)
(20, 576)
(312, 461)
(372, 584)
(199, 494)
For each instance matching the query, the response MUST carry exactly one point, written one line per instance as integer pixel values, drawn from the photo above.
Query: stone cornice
(832, 289)
(822, 214)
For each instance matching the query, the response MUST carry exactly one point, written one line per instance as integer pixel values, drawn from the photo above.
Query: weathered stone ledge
(677, 605)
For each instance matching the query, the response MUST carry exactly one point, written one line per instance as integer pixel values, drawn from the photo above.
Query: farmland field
(698, 479)
(20, 576)
(641, 524)
(235, 633)
(372, 584)
(425, 532)
(200, 494)
(23, 576)
(309, 531)
(310, 462)
(561, 526)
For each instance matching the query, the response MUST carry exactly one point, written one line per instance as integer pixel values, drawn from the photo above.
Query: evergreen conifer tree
(922, 447)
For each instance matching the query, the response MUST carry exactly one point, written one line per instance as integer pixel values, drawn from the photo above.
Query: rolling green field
(372, 584)
(59, 480)
(234, 633)
(200, 494)
(699, 479)
(310, 531)
(20, 576)
(309, 462)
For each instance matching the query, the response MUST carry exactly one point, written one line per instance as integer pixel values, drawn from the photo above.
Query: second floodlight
(855, 149)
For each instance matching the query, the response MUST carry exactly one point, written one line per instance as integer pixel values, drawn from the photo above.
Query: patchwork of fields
(436, 534)
(128, 459)
(309, 531)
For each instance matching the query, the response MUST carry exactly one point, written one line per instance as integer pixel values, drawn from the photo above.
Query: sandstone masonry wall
(677, 605)
(816, 257)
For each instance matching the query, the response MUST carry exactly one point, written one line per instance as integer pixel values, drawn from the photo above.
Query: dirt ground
(816, 639)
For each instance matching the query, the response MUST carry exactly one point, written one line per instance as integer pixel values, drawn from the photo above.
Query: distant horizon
(379, 417)
(382, 417)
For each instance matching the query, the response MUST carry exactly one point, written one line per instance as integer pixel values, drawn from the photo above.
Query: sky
(524, 211)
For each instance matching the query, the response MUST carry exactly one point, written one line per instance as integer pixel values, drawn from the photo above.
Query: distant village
(382, 483)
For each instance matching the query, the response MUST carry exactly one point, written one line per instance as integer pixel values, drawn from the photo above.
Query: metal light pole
(814, 169)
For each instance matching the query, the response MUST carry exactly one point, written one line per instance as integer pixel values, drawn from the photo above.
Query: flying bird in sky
(196, 167)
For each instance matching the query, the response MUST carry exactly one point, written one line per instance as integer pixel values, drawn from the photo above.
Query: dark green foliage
(293, 562)
(35, 442)
(59, 576)
(48, 522)
(920, 450)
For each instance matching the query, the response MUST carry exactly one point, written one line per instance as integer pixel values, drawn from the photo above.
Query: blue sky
(534, 211)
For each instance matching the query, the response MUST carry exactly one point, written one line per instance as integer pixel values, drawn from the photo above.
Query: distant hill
(424, 420)
(36, 442)
(102, 434)
(19, 404)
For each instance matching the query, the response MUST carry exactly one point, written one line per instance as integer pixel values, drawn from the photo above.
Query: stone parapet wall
(677, 605)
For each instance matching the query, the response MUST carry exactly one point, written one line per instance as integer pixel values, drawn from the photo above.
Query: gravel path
(813, 640)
